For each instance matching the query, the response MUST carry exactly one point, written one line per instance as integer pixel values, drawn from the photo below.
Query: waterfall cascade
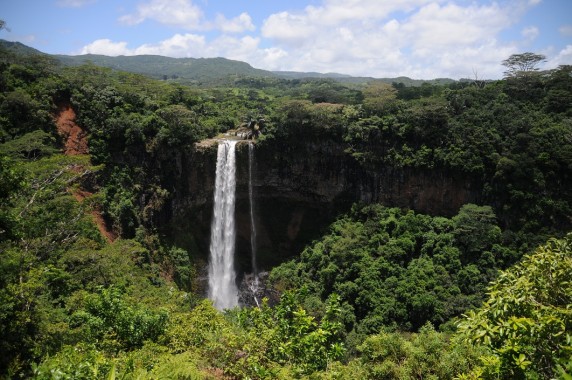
(254, 285)
(222, 277)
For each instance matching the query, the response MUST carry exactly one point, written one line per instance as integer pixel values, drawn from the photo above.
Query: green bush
(107, 319)
(526, 322)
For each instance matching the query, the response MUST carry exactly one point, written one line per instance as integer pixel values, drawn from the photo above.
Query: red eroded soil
(75, 137)
(80, 195)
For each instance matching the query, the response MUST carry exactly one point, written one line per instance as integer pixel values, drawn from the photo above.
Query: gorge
(300, 187)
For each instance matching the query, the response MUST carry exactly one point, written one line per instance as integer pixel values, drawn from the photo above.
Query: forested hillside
(96, 280)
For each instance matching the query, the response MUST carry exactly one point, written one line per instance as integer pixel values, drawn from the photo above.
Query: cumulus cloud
(181, 13)
(186, 15)
(390, 38)
(271, 58)
(436, 28)
(563, 57)
(239, 24)
(295, 27)
(332, 12)
(106, 47)
(179, 45)
(530, 33)
(288, 28)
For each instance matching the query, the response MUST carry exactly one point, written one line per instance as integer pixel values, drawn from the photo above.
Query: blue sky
(382, 38)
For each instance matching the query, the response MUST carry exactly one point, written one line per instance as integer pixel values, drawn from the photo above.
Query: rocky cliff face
(299, 190)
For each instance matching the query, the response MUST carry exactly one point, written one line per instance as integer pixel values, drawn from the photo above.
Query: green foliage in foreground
(285, 342)
(251, 343)
(428, 355)
(527, 320)
(105, 315)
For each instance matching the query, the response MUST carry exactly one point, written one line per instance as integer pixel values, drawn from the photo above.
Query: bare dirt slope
(74, 136)
(75, 143)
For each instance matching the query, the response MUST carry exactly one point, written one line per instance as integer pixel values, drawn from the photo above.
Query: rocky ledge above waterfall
(245, 133)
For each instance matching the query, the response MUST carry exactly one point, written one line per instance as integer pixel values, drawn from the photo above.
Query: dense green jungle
(434, 242)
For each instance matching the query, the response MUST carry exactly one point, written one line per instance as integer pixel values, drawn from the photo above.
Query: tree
(526, 322)
(522, 64)
(378, 96)
(181, 127)
(425, 355)
(10, 182)
(475, 229)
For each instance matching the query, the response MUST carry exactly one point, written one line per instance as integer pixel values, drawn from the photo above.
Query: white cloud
(186, 15)
(438, 29)
(335, 11)
(396, 37)
(238, 24)
(179, 46)
(181, 13)
(106, 47)
(293, 28)
(530, 33)
(564, 57)
(271, 59)
(288, 28)
(27, 39)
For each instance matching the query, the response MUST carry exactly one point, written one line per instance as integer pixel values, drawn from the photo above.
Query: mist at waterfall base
(223, 290)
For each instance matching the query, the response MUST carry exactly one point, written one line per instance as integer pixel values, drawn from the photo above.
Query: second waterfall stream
(254, 285)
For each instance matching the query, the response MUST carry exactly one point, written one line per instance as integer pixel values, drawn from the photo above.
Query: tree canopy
(523, 63)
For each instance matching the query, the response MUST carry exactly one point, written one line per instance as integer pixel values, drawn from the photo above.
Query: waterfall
(222, 287)
(254, 285)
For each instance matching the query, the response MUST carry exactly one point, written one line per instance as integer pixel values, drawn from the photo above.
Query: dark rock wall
(299, 190)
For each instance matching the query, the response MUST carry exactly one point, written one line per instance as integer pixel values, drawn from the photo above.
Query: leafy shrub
(427, 355)
(107, 319)
(526, 321)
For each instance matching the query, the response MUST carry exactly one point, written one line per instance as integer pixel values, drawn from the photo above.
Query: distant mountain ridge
(198, 70)
(19, 48)
(159, 67)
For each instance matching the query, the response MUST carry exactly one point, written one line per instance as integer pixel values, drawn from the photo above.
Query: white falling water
(254, 285)
(222, 286)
